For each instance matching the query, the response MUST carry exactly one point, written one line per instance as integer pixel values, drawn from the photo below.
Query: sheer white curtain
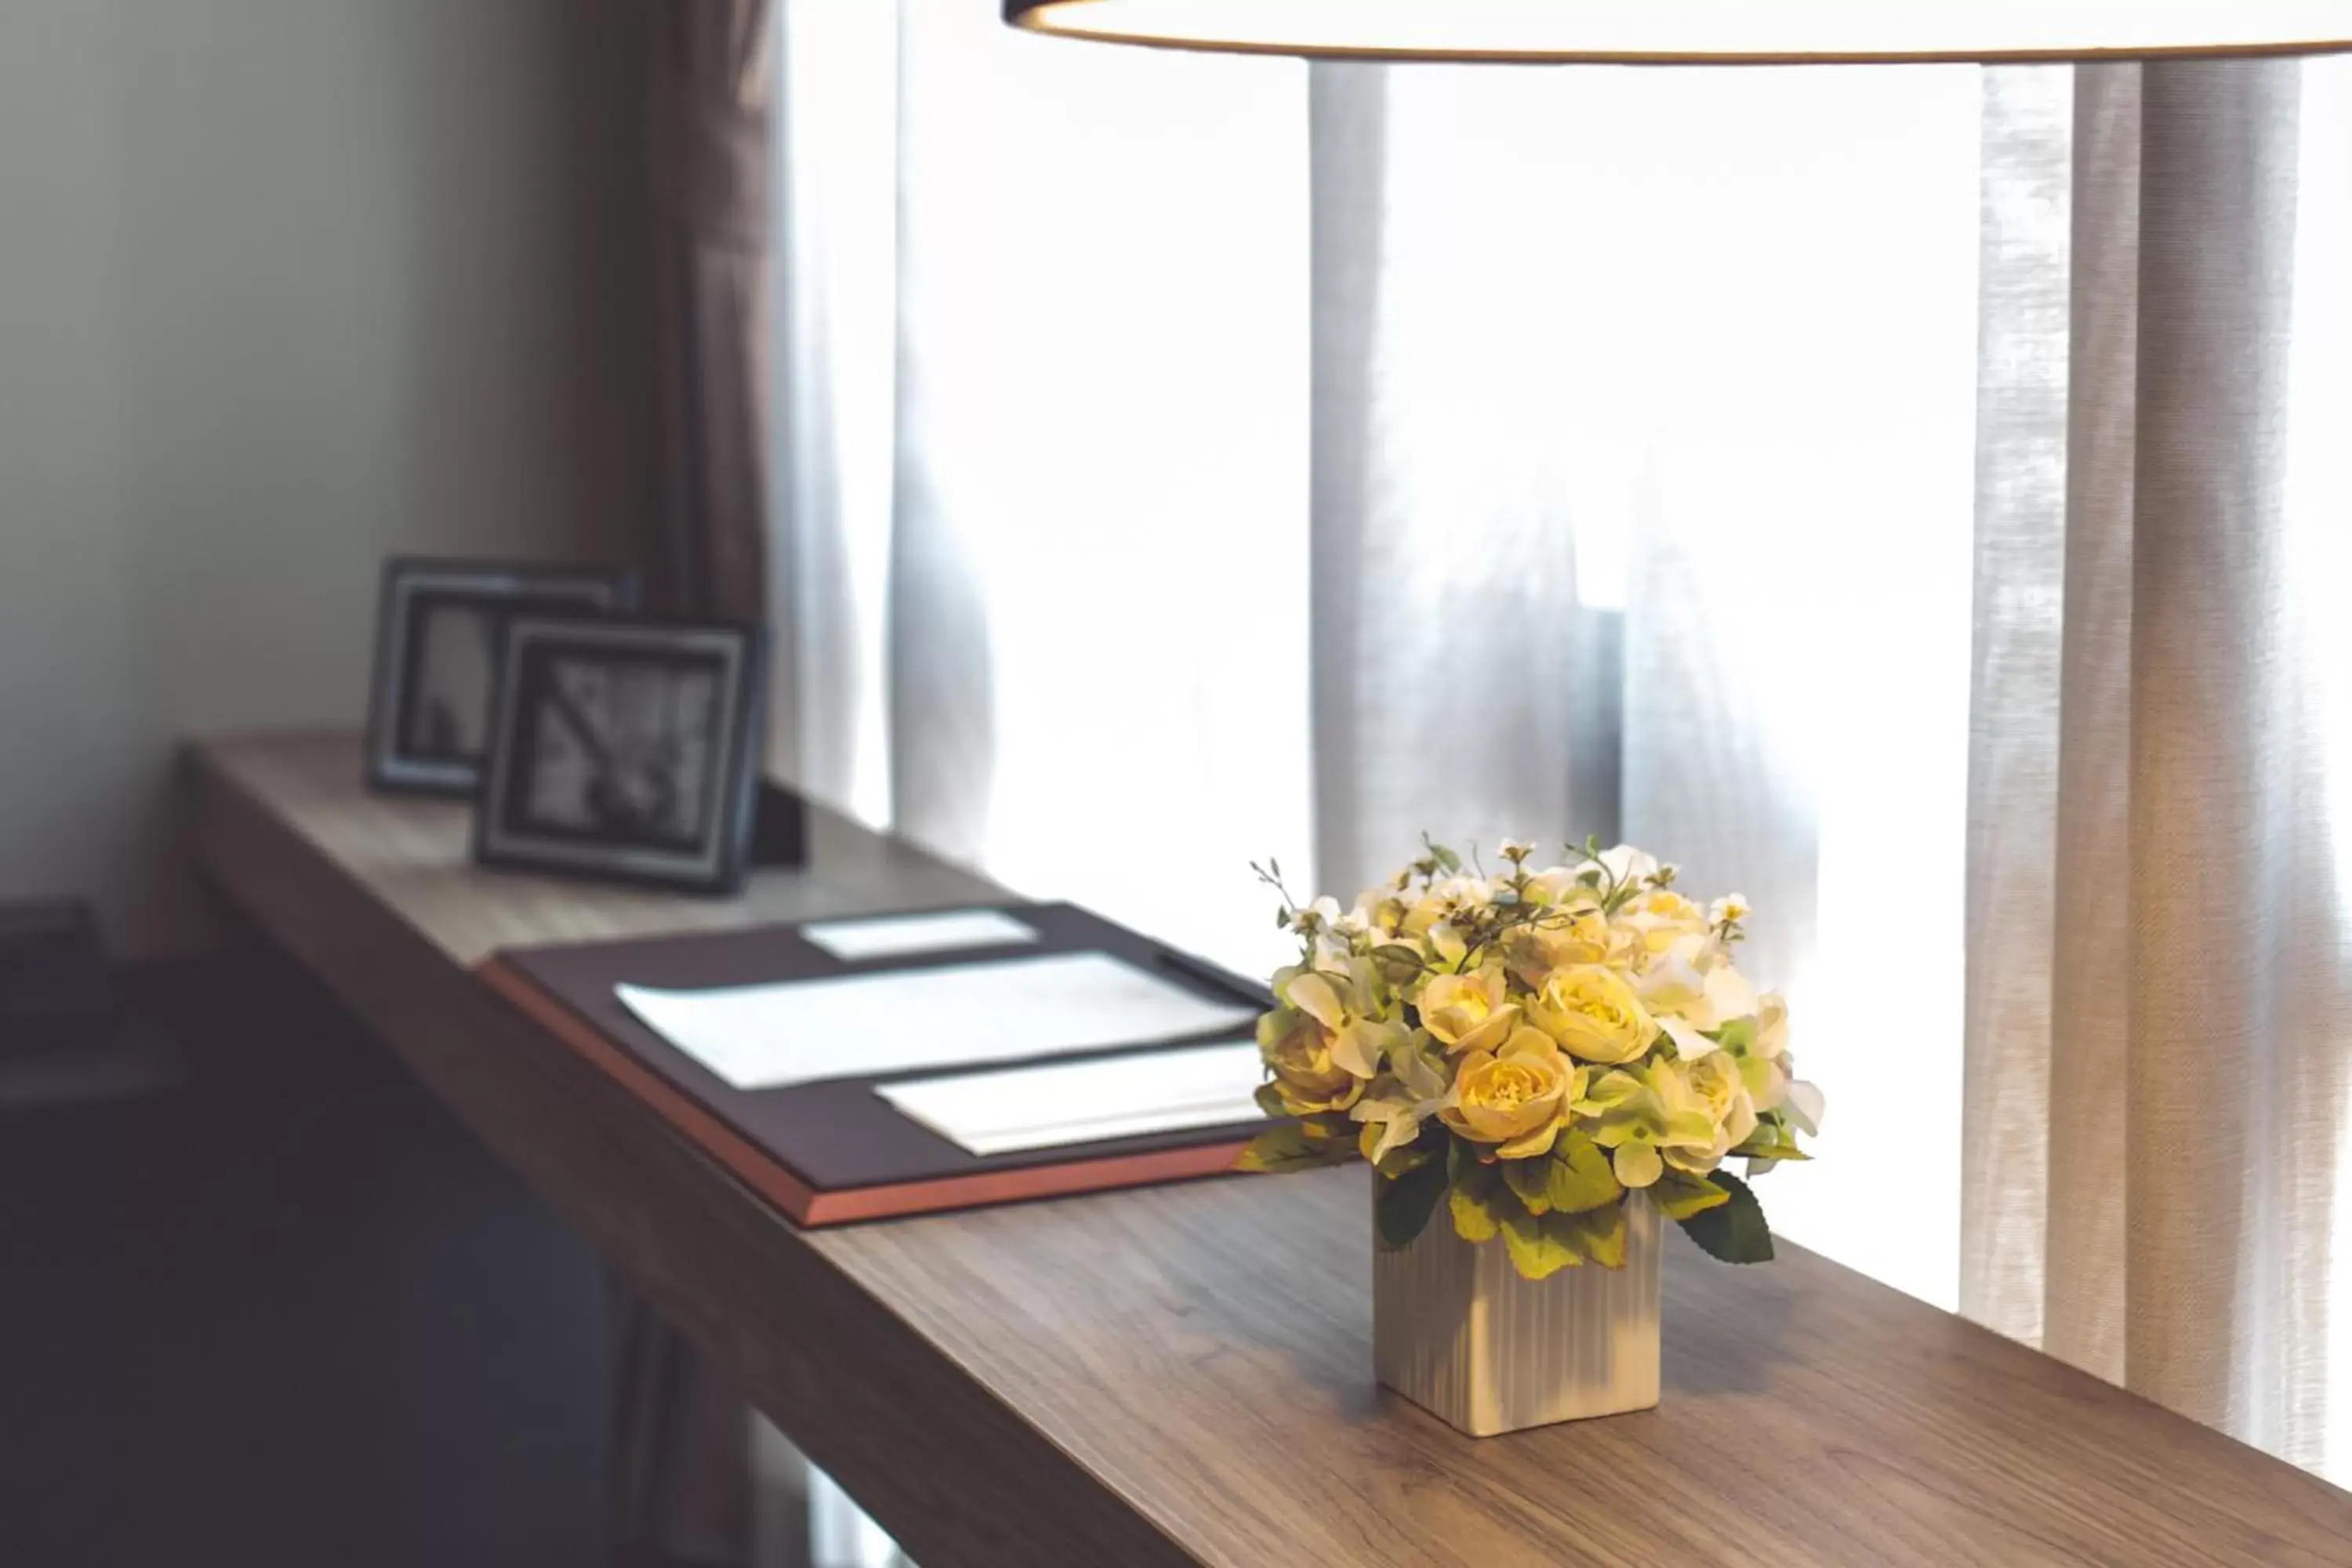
(1693, 347)
(1192, 460)
(1047, 426)
(2160, 991)
(1544, 368)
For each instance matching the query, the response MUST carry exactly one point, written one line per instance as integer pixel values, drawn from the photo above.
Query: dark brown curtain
(681, 1464)
(713, 72)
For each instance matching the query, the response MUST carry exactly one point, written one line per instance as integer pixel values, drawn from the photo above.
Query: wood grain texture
(1184, 1374)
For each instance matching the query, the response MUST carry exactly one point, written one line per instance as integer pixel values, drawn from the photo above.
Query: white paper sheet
(799, 1031)
(1048, 1106)
(895, 936)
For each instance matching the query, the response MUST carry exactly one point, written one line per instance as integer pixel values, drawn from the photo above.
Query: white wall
(285, 285)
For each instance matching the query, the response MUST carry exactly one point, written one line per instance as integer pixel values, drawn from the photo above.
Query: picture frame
(626, 749)
(440, 624)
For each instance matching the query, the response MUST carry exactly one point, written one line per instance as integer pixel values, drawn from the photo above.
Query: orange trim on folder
(766, 1173)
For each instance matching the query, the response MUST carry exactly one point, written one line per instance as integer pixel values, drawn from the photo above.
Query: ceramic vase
(1458, 1331)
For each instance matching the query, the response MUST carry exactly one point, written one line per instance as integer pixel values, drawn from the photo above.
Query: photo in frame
(626, 749)
(439, 627)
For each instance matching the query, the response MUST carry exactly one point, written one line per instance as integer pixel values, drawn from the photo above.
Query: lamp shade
(1700, 32)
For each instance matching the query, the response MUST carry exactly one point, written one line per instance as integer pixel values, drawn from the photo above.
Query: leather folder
(835, 1152)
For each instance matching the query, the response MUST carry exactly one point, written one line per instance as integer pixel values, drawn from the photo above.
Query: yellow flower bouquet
(1533, 1048)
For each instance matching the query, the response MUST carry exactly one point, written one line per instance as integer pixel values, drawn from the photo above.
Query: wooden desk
(1182, 1374)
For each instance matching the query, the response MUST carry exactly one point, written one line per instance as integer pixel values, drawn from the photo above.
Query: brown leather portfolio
(835, 1152)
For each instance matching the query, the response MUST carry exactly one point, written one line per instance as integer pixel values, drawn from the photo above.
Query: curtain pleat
(2019, 570)
(1347, 131)
(708, 127)
(681, 1430)
(2173, 948)
(1445, 481)
(2083, 1310)
(2211, 855)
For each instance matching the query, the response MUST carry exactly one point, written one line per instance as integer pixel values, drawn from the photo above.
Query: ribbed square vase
(1458, 1331)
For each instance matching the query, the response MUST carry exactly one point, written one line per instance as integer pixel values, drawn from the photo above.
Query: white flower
(1463, 893)
(1675, 981)
(1692, 981)
(1626, 864)
(1688, 1042)
(1729, 994)
(1320, 915)
(1399, 1103)
(1804, 1106)
(1728, 910)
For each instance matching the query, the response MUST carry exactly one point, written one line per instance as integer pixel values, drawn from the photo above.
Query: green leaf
(1600, 1234)
(1441, 854)
(1531, 1179)
(1736, 1036)
(1476, 1187)
(1782, 1148)
(1578, 1175)
(1397, 962)
(1412, 1157)
(1462, 1164)
(1679, 1197)
(1287, 1148)
(1735, 1230)
(1269, 1099)
(1403, 1205)
(1542, 1248)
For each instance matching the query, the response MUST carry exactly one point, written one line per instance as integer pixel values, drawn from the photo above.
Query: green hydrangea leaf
(1397, 1161)
(1578, 1175)
(1531, 1180)
(1403, 1208)
(1542, 1248)
(1733, 1230)
(1287, 1147)
(1600, 1234)
(1766, 1148)
(1679, 1197)
(1736, 1036)
(1472, 1200)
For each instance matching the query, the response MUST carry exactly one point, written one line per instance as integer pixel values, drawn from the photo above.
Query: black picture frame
(626, 749)
(440, 624)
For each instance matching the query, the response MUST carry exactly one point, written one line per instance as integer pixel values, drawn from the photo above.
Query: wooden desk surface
(1182, 1374)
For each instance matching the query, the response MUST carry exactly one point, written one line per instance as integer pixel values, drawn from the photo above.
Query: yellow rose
(1514, 1099)
(1422, 914)
(1380, 909)
(1468, 1012)
(1310, 1081)
(1715, 1084)
(1592, 1012)
(1563, 885)
(1662, 917)
(1535, 950)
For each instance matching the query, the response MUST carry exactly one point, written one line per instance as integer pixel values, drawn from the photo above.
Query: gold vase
(1458, 1331)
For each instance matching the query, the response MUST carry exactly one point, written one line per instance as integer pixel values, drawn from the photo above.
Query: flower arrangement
(1533, 1047)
